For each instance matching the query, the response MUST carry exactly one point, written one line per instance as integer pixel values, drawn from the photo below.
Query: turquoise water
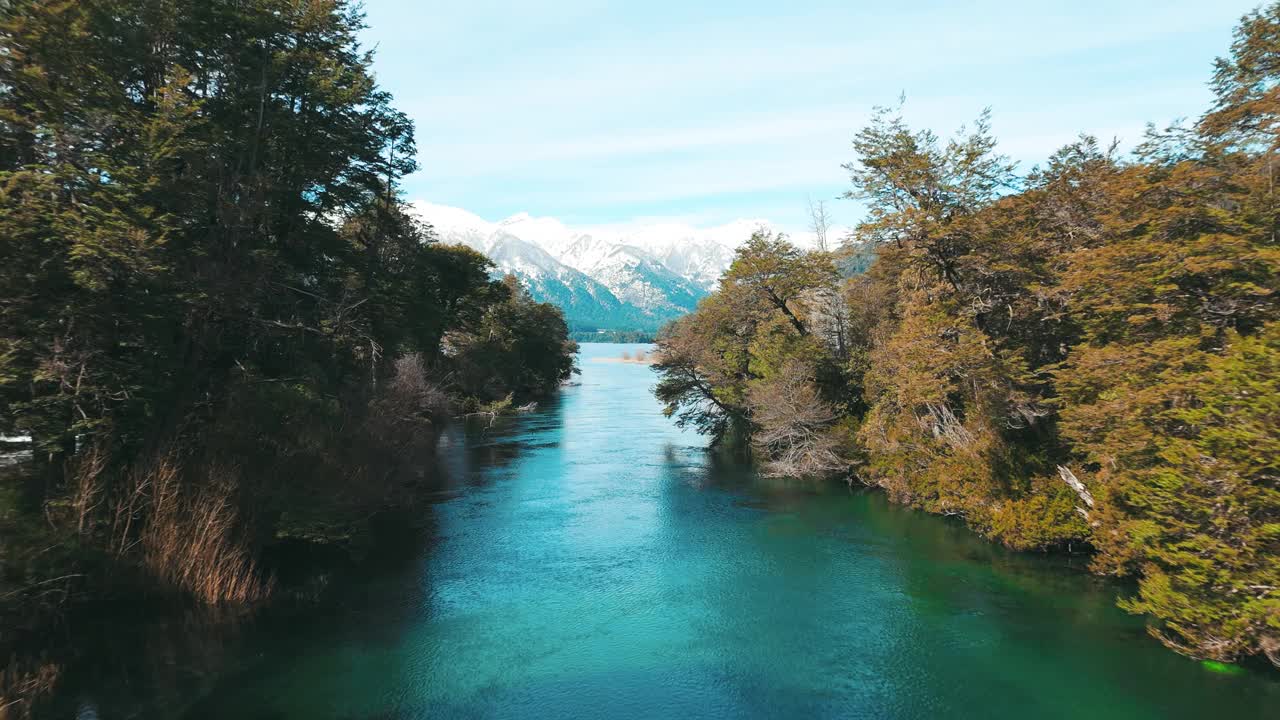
(591, 561)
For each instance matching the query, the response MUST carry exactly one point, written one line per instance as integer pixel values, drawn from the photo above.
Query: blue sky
(705, 112)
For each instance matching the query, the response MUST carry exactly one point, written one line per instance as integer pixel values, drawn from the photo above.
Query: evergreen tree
(208, 276)
(1082, 357)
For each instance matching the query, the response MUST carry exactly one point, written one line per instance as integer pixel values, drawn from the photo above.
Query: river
(590, 560)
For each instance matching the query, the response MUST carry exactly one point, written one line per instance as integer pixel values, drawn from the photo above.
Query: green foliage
(920, 192)
(207, 274)
(1247, 104)
(518, 346)
(1211, 501)
(770, 272)
(751, 358)
(703, 369)
(1085, 357)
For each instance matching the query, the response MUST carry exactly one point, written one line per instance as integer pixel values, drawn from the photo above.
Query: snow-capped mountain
(587, 303)
(604, 278)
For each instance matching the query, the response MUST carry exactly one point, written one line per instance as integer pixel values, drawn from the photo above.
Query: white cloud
(609, 111)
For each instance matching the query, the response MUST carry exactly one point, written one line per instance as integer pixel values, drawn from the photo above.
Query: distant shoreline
(613, 336)
(641, 357)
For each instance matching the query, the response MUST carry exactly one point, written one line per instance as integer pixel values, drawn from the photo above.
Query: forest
(225, 333)
(219, 324)
(1082, 357)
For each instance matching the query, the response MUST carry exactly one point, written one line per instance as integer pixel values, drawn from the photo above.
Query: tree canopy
(216, 310)
(1084, 356)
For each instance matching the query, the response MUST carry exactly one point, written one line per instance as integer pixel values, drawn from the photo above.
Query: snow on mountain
(548, 233)
(637, 278)
(700, 257)
(610, 278)
(586, 302)
(455, 225)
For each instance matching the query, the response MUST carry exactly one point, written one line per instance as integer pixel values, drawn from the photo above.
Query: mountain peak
(633, 277)
(519, 217)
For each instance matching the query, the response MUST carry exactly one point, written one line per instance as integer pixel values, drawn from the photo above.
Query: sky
(617, 113)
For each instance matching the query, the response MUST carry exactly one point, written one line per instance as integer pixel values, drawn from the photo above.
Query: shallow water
(589, 560)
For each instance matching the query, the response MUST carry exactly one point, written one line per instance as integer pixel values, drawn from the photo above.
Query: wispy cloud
(605, 111)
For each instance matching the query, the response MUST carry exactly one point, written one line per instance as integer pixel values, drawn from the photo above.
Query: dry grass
(87, 487)
(22, 684)
(187, 531)
(191, 541)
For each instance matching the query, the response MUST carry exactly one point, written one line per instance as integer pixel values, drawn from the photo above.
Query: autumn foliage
(1087, 355)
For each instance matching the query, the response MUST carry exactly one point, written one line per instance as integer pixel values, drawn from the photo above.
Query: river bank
(590, 559)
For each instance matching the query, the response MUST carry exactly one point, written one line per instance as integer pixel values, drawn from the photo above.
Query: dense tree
(704, 359)
(921, 193)
(214, 305)
(1085, 356)
(769, 271)
(749, 357)
(518, 347)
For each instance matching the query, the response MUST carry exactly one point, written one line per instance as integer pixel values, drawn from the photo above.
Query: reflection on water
(589, 560)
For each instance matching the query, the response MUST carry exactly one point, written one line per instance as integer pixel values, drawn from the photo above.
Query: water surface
(591, 561)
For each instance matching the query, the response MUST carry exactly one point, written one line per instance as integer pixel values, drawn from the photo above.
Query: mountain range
(635, 278)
